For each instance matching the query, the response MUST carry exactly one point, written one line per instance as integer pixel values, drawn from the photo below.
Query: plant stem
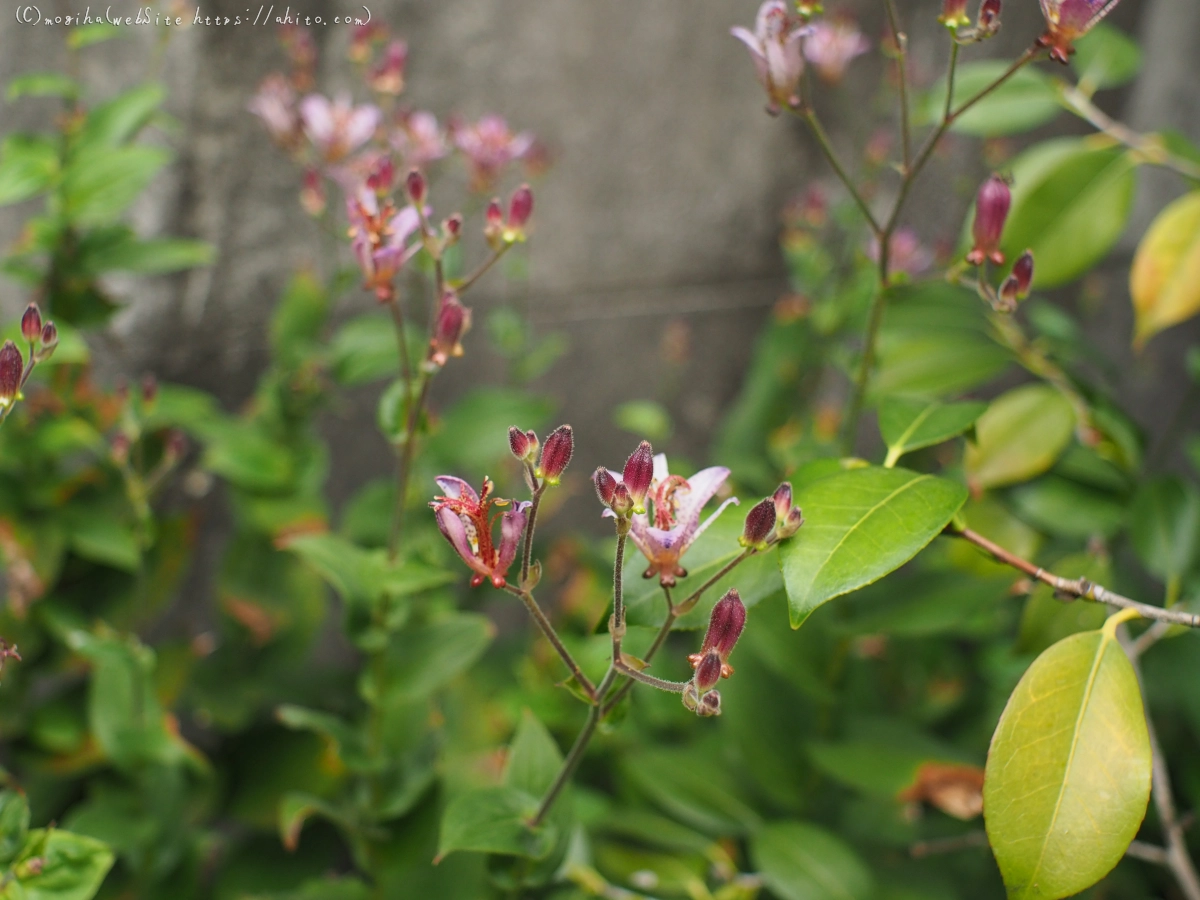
(827, 148)
(544, 623)
(401, 339)
(1155, 153)
(404, 465)
(617, 626)
(478, 273)
(685, 606)
(570, 764)
(530, 524)
(1176, 856)
(1078, 587)
(902, 74)
(675, 687)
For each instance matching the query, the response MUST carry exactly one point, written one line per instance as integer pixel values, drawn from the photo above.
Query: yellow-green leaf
(1164, 281)
(1020, 436)
(1068, 772)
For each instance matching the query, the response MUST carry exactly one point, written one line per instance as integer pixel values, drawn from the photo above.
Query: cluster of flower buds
(1069, 20)
(711, 664)
(771, 520)
(42, 338)
(625, 495)
(987, 23)
(991, 211)
(549, 464)
(1016, 286)
(500, 231)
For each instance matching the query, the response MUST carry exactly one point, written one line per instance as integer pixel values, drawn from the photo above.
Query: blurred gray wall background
(662, 204)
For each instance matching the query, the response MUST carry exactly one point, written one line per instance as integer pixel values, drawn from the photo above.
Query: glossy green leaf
(1106, 57)
(28, 164)
(799, 861)
(494, 820)
(1046, 620)
(421, 659)
(859, 526)
(908, 424)
(1068, 772)
(1070, 204)
(1164, 526)
(42, 84)
(937, 365)
(71, 867)
(1164, 281)
(1020, 436)
(1025, 101)
(1063, 507)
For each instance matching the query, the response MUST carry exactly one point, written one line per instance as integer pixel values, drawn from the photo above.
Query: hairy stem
(404, 466)
(401, 339)
(902, 76)
(685, 606)
(570, 764)
(675, 687)
(530, 524)
(535, 610)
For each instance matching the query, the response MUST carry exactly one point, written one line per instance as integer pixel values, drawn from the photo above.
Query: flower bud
(49, 341)
(789, 524)
(710, 704)
(31, 324)
(1006, 299)
(954, 14)
(725, 625)
(606, 485)
(520, 207)
(708, 672)
(414, 186)
(452, 228)
(312, 193)
(382, 176)
(1022, 271)
(690, 700)
(12, 367)
(622, 503)
(782, 499)
(991, 210)
(639, 472)
(149, 388)
(759, 522)
(453, 321)
(493, 224)
(556, 454)
(523, 444)
(989, 18)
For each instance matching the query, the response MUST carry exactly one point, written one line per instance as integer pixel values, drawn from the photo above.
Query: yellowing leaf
(1164, 281)
(1068, 772)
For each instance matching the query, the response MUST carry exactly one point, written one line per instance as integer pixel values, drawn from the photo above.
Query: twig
(530, 524)
(1149, 638)
(1150, 853)
(902, 74)
(1078, 587)
(675, 687)
(570, 764)
(404, 465)
(831, 155)
(544, 623)
(466, 283)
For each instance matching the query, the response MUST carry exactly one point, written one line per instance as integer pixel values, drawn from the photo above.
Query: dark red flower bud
(453, 320)
(493, 224)
(49, 341)
(783, 499)
(1006, 300)
(989, 17)
(991, 210)
(759, 522)
(12, 367)
(556, 454)
(639, 473)
(523, 444)
(622, 503)
(31, 324)
(954, 13)
(452, 227)
(725, 625)
(708, 672)
(149, 388)
(1022, 271)
(382, 177)
(414, 186)
(520, 207)
(710, 704)
(606, 485)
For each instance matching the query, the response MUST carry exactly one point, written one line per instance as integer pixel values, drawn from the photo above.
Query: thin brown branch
(535, 610)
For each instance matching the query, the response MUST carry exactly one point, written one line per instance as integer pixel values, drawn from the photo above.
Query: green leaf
(42, 84)
(1025, 101)
(473, 435)
(1068, 772)
(799, 861)
(1047, 620)
(1164, 281)
(911, 424)
(392, 413)
(99, 187)
(534, 759)
(694, 787)
(421, 659)
(154, 256)
(859, 526)
(937, 364)
(1105, 57)
(71, 868)
(1020, 436)
(346, 741)
(756, 578)
(28, 164)
(1065, 508)
(299, 319)
(644, 418)
(494, 820)
(92, 33)
(1069, 206)
(295, 809)
(14, 825)
(364, 349)
(243, 453)
(95, 533)
(1164, 526)
(118, 120)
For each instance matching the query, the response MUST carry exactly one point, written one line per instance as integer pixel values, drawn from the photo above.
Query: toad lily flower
(380, 240)
(465, 519)
(775, 48)
(1069, 20)
(336, 127)
(832, 45)
(677, 504)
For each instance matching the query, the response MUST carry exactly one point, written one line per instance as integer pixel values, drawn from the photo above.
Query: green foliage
(799, 861)
(1027, 100)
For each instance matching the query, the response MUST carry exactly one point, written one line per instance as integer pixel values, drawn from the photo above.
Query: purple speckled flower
(775, 49)
(465, 520)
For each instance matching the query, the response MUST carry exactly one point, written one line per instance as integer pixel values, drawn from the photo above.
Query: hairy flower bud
(12, 366)
(989, 18)
(782, 499)
(622, 503)
(452, 228)
(49, 341)
(520, 445)
(556, 454)
(788, 518)
(606, 485)
(954, 14)
(708, 672)
(520, 208)
(493, 224)
(453, 321)
(1006, 297)
(725, 625)
(1022, 271)
(759, 522)
(638, 473)
(31, 324)
(414, 187)
(991, 211)
(710, 704)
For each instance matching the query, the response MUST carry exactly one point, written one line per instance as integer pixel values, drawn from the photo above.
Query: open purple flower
(275, 105)
(490, 146)
(1069, 20)
(465, 519)
(775, 48)
(676, 506)
(380, 240)
(336, 127)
